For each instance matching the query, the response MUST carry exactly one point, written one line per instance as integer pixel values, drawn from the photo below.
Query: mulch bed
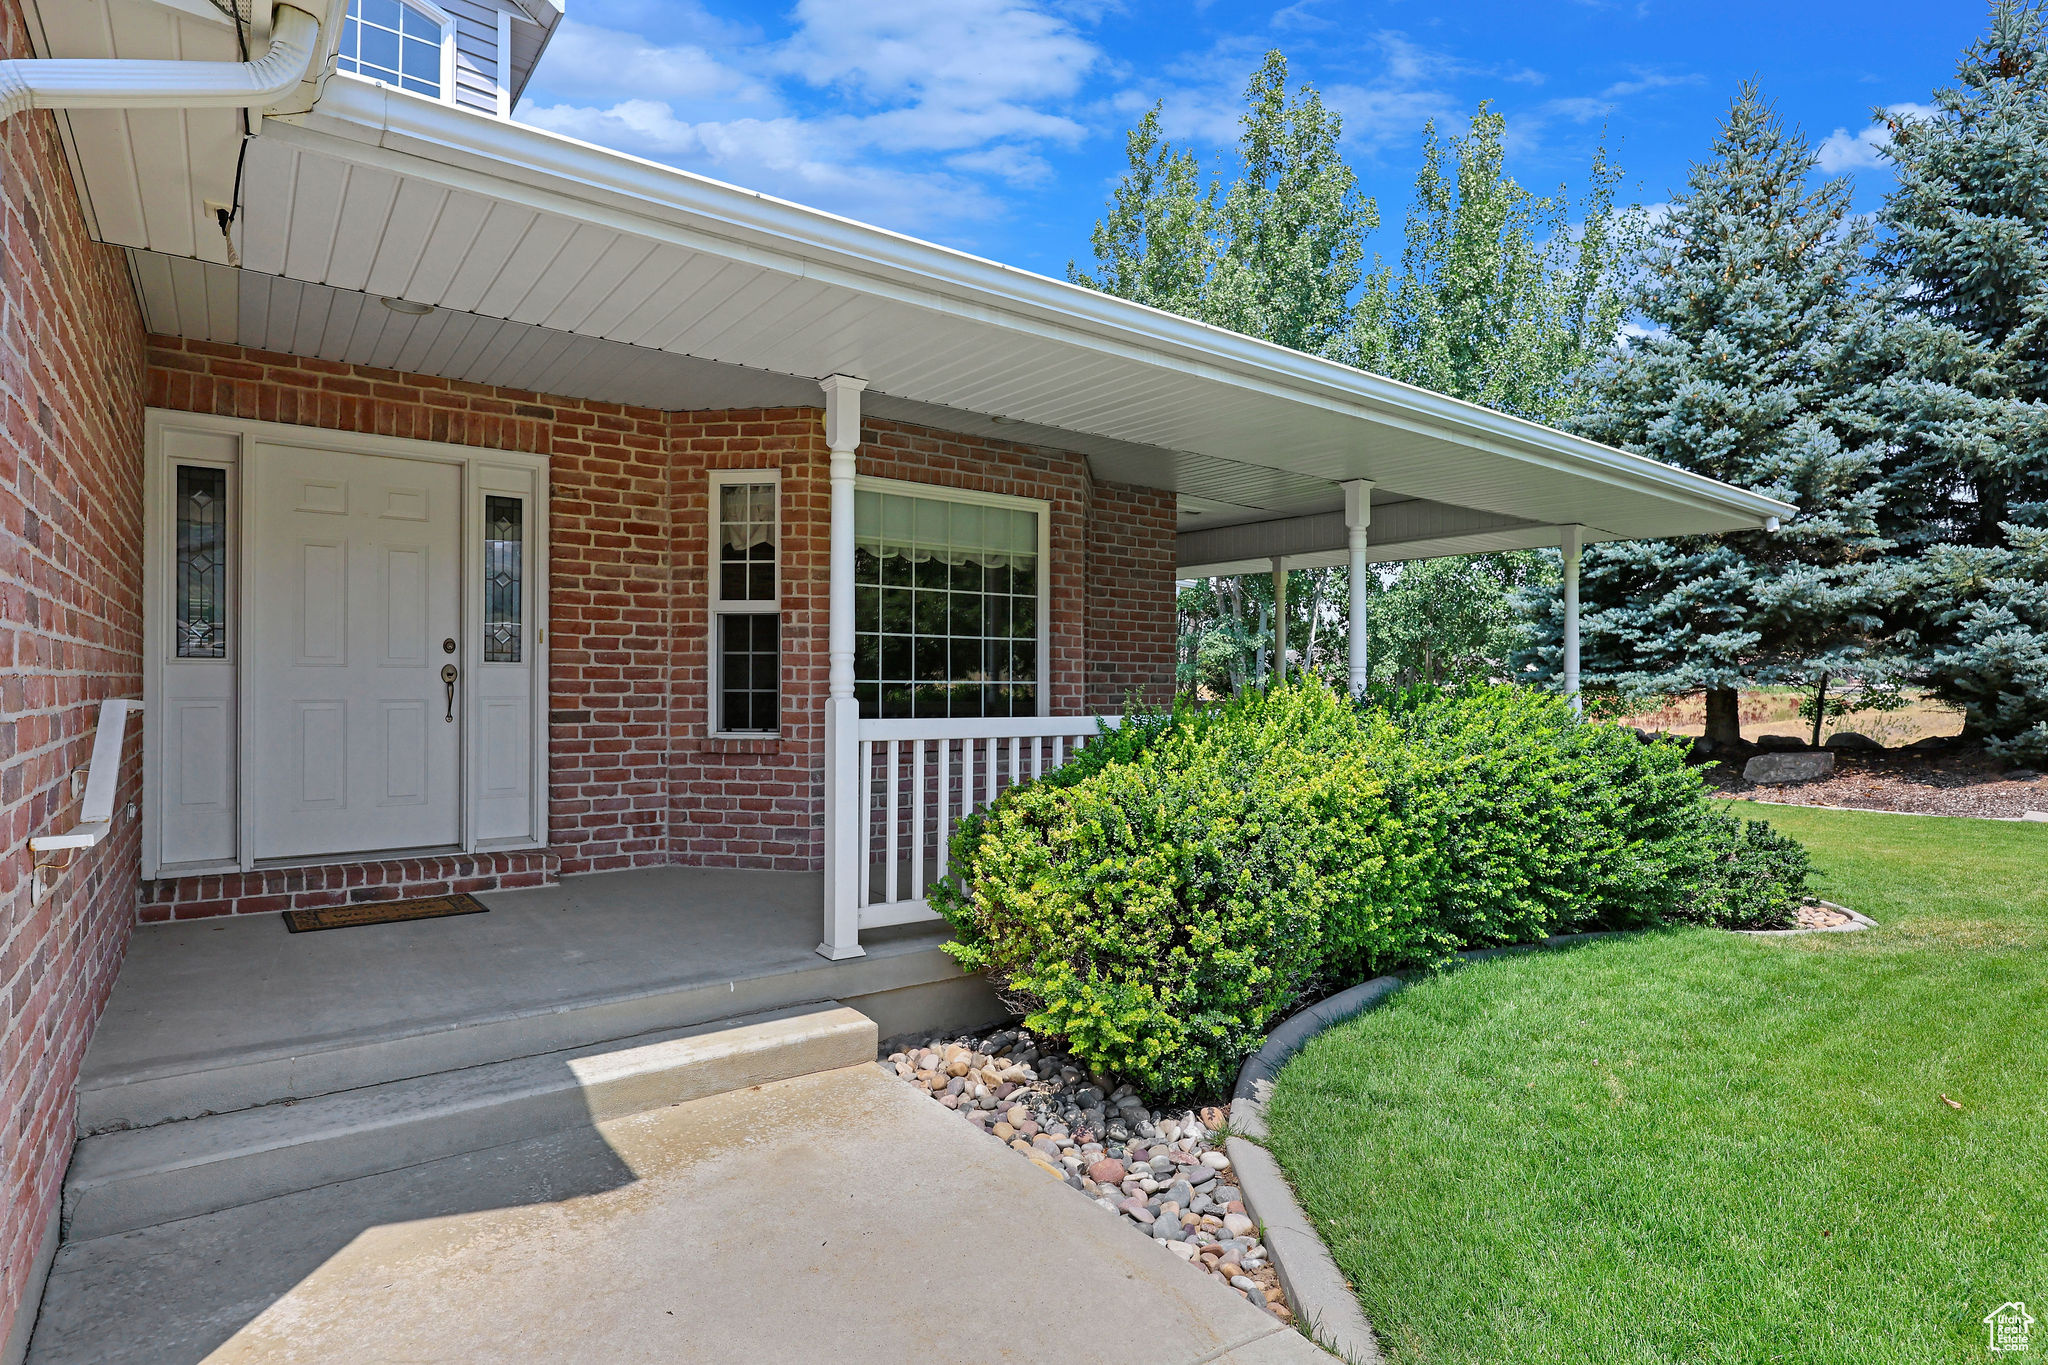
(1937, 782)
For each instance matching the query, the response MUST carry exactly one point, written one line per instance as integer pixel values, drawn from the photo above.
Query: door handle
(448, 678)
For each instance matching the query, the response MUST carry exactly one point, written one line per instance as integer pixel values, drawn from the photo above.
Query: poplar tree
(1276, 254)
(1503, 295)
(1154, 244)
(1292, 225)
(1747, 295)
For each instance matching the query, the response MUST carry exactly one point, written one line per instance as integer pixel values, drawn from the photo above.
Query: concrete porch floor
(219, 1014)
(833, 1216)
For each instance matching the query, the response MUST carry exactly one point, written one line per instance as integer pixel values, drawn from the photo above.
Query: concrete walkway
(835, 1216)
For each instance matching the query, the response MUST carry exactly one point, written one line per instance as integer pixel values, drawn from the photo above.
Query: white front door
(355, 615)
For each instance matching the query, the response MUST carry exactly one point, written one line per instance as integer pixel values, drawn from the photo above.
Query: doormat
(382, 912)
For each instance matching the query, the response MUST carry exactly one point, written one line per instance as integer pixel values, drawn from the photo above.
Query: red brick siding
(1132, 633)
(635, 777)
(751, 802)
(311, 888)
(70, 634)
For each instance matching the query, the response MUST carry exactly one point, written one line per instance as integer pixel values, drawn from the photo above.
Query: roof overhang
(554, 265)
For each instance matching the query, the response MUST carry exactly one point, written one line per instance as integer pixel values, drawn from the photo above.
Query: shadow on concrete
(180, 1291)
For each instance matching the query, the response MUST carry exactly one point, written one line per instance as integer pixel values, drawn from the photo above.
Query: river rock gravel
(1161, 1169)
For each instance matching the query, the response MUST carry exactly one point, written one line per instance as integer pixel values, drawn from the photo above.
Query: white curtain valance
(890, 525)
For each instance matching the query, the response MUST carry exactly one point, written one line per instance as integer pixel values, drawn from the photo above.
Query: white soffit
(192, 299)
(146, 175)
(387, 194)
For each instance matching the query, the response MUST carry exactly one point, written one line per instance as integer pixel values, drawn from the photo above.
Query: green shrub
(1532, 822)
(1162, 912)
(1748, 875)
(1168, 895)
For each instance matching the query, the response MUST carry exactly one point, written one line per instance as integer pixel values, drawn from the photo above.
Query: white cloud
(1846, 151)
(1646, 80)
(985, 83)
(585, 59)
(780, 156)
(953, 73)
(1012, 163)
(1587, 108)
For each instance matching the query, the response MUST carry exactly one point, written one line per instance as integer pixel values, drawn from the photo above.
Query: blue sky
(997, 125)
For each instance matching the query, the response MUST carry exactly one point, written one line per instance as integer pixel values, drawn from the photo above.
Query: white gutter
(95, 83)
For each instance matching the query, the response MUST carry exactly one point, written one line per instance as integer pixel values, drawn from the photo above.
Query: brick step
(122, 1181)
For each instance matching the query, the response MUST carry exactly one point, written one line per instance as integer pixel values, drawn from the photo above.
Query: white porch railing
(919, 776)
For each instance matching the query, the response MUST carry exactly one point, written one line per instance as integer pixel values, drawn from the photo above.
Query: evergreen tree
(1501, 299)
(1748, 290)
(1960, 387)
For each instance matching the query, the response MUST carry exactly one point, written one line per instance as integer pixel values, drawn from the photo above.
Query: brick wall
(1132, 634)
(636, 779)
(312, 888)
(70, 635)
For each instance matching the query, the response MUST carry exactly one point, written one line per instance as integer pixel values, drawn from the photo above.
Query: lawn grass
(1692, 1146)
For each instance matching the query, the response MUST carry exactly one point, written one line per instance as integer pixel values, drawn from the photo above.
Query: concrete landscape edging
(1323, 1302)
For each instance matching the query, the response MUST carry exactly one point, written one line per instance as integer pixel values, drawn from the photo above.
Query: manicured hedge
(1166, 897)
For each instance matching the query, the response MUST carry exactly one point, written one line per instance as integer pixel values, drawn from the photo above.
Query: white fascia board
(544, 170)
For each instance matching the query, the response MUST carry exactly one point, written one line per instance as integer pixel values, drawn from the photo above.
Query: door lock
(448, 645)
(448, 678)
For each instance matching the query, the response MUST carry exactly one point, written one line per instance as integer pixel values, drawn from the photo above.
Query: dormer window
(403, 43)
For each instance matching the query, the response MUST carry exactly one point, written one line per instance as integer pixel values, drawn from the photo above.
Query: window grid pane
(389, 41)
(946, 607)
(504, 570)
(746, 542)
(202, 562)
(750, 672)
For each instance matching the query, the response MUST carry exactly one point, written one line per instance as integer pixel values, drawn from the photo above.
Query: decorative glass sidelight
(504, 567)
(946, 599)
(202, 574)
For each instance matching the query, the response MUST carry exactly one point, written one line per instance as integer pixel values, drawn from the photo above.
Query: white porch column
(1572, 543)
(1357, 518)
(1279, 673)
(845, 812)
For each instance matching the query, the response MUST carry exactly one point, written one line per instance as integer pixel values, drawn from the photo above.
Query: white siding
(476, 53)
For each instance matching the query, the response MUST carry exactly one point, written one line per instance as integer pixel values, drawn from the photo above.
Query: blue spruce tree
(1748, 297)
(1959, 386)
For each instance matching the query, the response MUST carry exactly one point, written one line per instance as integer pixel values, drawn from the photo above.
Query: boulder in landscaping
(1770, 769)
(1779, 743)
(1849, 739)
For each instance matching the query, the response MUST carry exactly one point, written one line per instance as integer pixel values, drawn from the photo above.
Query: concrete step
(901, 986)
(137, 1178)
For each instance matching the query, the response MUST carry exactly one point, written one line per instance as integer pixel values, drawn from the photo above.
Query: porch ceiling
(556, 266)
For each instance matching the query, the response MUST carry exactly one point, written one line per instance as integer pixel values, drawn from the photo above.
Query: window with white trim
(948, 604)
(746, 608)
(398, 42)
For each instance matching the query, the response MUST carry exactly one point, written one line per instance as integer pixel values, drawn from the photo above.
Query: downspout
(93, 83)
